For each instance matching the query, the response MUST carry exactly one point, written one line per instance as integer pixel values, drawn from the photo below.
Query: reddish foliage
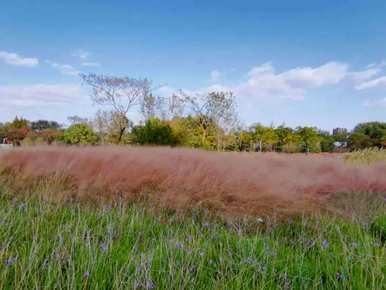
(16, 135)
(179, 178)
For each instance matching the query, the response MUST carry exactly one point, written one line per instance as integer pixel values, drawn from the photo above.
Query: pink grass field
(234, 183)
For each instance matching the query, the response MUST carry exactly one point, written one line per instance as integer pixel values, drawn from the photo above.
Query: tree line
(209, 121)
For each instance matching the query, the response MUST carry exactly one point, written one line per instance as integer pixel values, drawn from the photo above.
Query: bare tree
(217, 108)
(119, 93)
(164, 107)
(176, 105)
(148, 106)
(111, 126)
(153, 106)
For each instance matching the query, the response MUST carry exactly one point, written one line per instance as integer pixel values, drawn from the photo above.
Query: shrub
(79, 134)
(155, 132)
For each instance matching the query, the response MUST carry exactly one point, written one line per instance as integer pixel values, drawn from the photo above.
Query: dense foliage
(154, 131)
(80, 134)
(366, 135)
(197, 131)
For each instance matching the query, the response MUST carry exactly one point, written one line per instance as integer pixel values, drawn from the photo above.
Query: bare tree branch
(121, 93)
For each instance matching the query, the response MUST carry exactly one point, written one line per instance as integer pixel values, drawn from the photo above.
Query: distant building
(339, 131)
(338, 146)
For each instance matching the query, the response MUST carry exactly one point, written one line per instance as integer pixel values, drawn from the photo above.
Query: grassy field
(47, 243)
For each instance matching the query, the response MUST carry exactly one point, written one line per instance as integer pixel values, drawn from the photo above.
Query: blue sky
(320, 63)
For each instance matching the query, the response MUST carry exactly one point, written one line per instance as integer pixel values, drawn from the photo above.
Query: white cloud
(327, 74)
(215, 75)
(82, 54)
(378, 82)
(264, 81)
(90, 64)
(18, 60)
(84, 57)
(39, 95)
(44, 101)
(64, 69)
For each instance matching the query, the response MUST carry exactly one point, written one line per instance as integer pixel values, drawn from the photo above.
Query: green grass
(45, 245)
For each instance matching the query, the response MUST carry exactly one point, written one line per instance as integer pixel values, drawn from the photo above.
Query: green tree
(80, 134)
(327, 141)
(244, 140)
(44, 124)
(192, 131)
(358, 140)
(215, 113)
(155, 132)
(309, 139)
(285, 138)
(3, 131)
(19, 123)
(371, 134)
(265, 137)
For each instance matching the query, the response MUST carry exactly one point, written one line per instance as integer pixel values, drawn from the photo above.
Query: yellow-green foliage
(366, 156)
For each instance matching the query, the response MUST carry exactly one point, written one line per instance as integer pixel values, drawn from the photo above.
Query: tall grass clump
(366, 156)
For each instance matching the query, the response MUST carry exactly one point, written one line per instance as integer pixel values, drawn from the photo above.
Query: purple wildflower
(325, 244)
(206, 225)
(104, 247)
(179, 246)
(149, 284)
(10, 261)
(86, 274)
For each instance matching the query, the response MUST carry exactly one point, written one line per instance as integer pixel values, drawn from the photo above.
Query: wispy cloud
(64, 69)
(364, 75)
(18, 60)
(378, 82)
(90, 64)
(38, 95)
(380, 64)
(82, 54)
(84, 57)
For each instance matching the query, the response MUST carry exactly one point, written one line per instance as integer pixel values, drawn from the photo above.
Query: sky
(301, 63)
